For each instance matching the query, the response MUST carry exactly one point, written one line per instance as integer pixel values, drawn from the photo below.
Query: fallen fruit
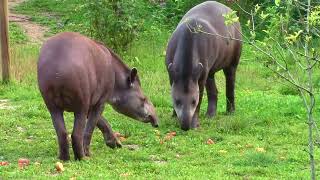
(59, 167)
(22, 162)
(4, 163)
(172, 133)
(210, 141)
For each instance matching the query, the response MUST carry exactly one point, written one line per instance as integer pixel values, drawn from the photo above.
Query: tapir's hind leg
(93, 118)
(59, 125)
(174, 114)
(230, 74)
(107, 132)
(77, 134)
(212, 93)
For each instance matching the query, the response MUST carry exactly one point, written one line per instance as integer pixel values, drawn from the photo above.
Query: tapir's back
(71, 68)
(210, 13)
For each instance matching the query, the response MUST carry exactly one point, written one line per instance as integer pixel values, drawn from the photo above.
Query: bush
(114, 22)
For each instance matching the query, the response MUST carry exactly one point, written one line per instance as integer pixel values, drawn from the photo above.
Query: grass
(269, 115)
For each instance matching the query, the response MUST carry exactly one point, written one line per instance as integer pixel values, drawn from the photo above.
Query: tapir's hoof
(174, 114)
(210, 114)
(87, 152)
(64, 157)
(230, 112)
(114, 143)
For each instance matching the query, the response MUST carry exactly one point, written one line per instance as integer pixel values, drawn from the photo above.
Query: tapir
(201, 45)
(80, 75)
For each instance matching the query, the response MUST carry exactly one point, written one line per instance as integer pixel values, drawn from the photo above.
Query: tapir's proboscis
(79, 75)
(201, 45)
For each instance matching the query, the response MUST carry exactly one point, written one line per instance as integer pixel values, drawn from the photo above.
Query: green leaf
(277, 2)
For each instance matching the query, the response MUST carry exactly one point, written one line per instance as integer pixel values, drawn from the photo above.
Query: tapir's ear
(133, 75)
(170, 69)
(198, 71)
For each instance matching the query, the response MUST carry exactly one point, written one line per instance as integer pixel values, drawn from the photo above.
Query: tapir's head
(129, 99)
(185, 93)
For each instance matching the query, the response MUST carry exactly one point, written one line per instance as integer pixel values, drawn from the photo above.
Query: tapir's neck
(121, 74)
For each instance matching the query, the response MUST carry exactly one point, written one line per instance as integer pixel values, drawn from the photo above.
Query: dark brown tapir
(79, 75)
(193, 57)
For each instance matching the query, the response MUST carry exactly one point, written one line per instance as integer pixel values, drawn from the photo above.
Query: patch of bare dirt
(34, 31)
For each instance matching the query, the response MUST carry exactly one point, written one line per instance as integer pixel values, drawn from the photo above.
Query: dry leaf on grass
(122, 139)
(125, 174)
(261, 150)
(249, 145)
(4, 163)
(223, 151)
(23, 162)
(168, 137)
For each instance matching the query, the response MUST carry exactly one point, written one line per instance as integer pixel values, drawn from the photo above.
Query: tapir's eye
(178, 102)
(143, 100)
(193, 102)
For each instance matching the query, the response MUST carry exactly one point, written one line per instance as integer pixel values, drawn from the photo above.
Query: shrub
(114, 22)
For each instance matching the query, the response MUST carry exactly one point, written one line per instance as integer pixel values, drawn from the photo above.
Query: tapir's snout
(154, 120)
(185, 127)
(152, 115)
(185, 122)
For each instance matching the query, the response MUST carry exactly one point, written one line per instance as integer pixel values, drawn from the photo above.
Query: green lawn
(269, 115)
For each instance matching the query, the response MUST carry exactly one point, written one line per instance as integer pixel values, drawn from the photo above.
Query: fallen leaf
(161, 141)
(157, 132)
(59, 167)
(122, 139)
(4, 163)
(261, 150)
(223, 151)
(169, 136)
(172, 133)
(210, 141)
(249, 145)
(20, 129)
(132, 147)
(125, 174)
(22, 163)
(282, 158)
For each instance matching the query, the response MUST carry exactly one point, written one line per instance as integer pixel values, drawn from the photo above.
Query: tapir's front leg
(109, 138)
(195, 119)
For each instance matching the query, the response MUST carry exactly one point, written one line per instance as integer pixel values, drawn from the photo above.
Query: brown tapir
(79, 75)
(193, 57)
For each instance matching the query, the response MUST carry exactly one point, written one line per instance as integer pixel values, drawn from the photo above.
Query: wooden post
(4, 40)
